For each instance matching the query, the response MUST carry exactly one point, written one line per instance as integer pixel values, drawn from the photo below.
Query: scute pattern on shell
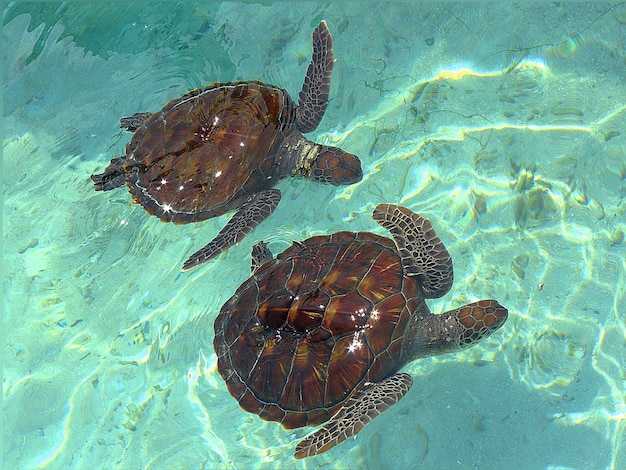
(206, 152)
(312, 326)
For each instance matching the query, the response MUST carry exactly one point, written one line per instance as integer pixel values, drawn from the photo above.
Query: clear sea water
(504, 124)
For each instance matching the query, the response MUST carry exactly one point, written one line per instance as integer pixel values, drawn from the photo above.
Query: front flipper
(134, 122)
(359, 410)
(422, 252)
(255, 210)
(313, 97)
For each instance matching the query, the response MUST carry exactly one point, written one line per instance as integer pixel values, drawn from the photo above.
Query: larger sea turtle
(319, 333)
(225, 147)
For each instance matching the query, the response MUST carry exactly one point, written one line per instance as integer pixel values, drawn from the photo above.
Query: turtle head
(478, 320)
(334, 166)
(456, 329)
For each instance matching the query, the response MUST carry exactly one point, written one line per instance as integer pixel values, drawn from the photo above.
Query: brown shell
(308, 329)
(207, 152)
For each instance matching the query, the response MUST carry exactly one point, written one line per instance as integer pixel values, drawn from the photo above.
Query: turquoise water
(505, 125)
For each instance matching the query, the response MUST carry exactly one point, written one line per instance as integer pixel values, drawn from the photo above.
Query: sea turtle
(319, 333)
(225, 147)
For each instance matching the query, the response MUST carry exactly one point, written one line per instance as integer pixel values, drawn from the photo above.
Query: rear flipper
(359, 410)
(250, 214)
(134, 122)
(422, 252)
(113, 176)
(260, 254)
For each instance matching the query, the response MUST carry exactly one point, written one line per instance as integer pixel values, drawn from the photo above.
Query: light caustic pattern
(520, 171)
(525, 169)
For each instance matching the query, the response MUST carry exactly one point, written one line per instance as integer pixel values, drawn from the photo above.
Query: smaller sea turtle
(319, 333)
(225, 147)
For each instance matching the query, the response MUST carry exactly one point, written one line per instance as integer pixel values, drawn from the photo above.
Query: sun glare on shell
(355, 344)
